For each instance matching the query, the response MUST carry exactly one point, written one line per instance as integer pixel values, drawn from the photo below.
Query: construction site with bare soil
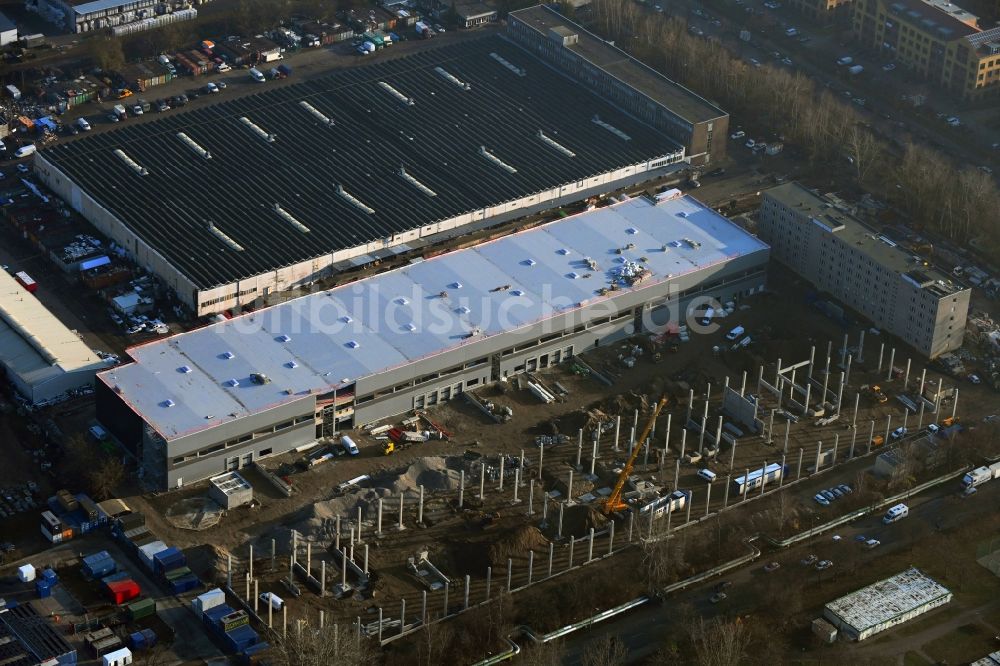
(543, 493)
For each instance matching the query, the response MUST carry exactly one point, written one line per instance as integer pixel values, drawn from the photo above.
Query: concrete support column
(562, 506)
(569, 487)
(954, 405)
(611, 537)
(517, 483)
(510, 572)
(812, 358)
(482, 477)
(923, 380)
(892, 359)
(503, 459)
(552, 550)
(400, 526)
(871, 436)
(366, 560)
(798, 472)
(531, 565)
(402, 615)
(420, 507)
(579, 448)
(861, 347)
(854, 437)
(465, 599)
(489, 581)
(572, 544)
(618, 427)
(819, 452)
(881, 353)
(920, 420)
(725, 495)
(906, 375)
(781, 479)
(531, 497)
(826, 380)
(461, 491)
(708, 499)
(378, 529)
(743, 384)
(447, 586)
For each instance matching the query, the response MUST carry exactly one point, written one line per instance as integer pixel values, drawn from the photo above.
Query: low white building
(885, 604)
(40, 356)
(8, 31)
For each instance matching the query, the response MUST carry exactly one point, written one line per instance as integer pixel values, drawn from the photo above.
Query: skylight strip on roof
(322, 117)
(395, 93)
(611, 128)
(257, 129)
(287, 217)
(555, 144)
(221, 235)
(496, 160)
(509, 65)
(193, 145)
(454, 79)
(416, 183)
(353, 200)
(138, 168)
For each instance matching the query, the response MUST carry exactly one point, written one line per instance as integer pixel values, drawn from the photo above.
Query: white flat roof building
(885, 604)
(38, 353)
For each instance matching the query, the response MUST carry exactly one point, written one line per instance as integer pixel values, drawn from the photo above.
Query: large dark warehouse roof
(218, 220)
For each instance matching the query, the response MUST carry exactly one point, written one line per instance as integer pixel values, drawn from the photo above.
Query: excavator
(614, 503)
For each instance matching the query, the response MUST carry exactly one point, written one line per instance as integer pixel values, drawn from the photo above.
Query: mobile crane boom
(614, 502)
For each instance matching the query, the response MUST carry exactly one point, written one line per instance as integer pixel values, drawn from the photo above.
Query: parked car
(211, 87)
(822, 501)
(717, 597)
(738, 134)
(771, 567)
(828, 495)
(822, 565)
(844, 488)
(872, 543)
(809, 560)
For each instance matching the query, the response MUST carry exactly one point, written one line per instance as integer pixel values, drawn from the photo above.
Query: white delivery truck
(981, 475)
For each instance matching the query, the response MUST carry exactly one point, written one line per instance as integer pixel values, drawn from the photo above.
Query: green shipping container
(177, 573)
(140, 609)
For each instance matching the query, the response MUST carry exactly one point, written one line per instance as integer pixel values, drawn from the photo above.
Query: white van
(277, 603)
(24, 151)
(706, 474)
(895, 513)
(257, 75)
(349, 445)
(735, 333)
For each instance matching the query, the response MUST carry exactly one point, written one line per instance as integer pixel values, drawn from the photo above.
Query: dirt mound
(577, 520)
(195, 513)
(435, 474)
(517, 544)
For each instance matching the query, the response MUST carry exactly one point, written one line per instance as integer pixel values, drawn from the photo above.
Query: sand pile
(517, 544)
(435, 474)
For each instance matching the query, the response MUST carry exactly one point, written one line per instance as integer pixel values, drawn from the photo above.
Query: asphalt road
(642, 629)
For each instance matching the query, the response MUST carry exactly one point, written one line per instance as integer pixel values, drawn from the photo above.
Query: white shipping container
(26, 573)
(208, 600)
(121, 657)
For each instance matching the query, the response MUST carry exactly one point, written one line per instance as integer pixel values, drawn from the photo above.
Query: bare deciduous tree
(312, 646)
(719, 642)
(605, 651)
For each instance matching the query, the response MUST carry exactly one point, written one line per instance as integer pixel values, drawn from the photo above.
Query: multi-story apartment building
(936, 39)
(864, 270)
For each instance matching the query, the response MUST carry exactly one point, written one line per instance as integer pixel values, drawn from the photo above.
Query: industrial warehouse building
(694, 122)
(216, 399)
(885, 604)
(120, 16)
(40, 357)
(864, 270)
(277, 190)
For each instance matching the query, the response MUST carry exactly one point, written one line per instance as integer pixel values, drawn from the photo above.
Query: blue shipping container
(254, 649)
(240, 638)
(96, 557)
(115, 578)
(43, 588)
(184, 584)
(50, 575)
(213, 615)
(150, 637)
(137, 641)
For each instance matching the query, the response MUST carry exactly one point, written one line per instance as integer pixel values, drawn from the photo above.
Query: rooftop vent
(346, 319)
(292, 365)
(517, 292)
(283, 338)
(456, 285)
(401, 300)
(529, 262)
(228, 355)
(234, 383)
(632, 230)
(353, 344)
(167, 403)
(185, 369)
(410, 326)
(563, 251)
(462, 310)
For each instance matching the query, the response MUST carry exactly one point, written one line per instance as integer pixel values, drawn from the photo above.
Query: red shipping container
(123, 590)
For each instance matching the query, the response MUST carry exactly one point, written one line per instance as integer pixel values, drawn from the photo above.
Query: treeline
(960, 202)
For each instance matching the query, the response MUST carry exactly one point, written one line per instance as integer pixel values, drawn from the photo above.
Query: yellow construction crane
(614, 502)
